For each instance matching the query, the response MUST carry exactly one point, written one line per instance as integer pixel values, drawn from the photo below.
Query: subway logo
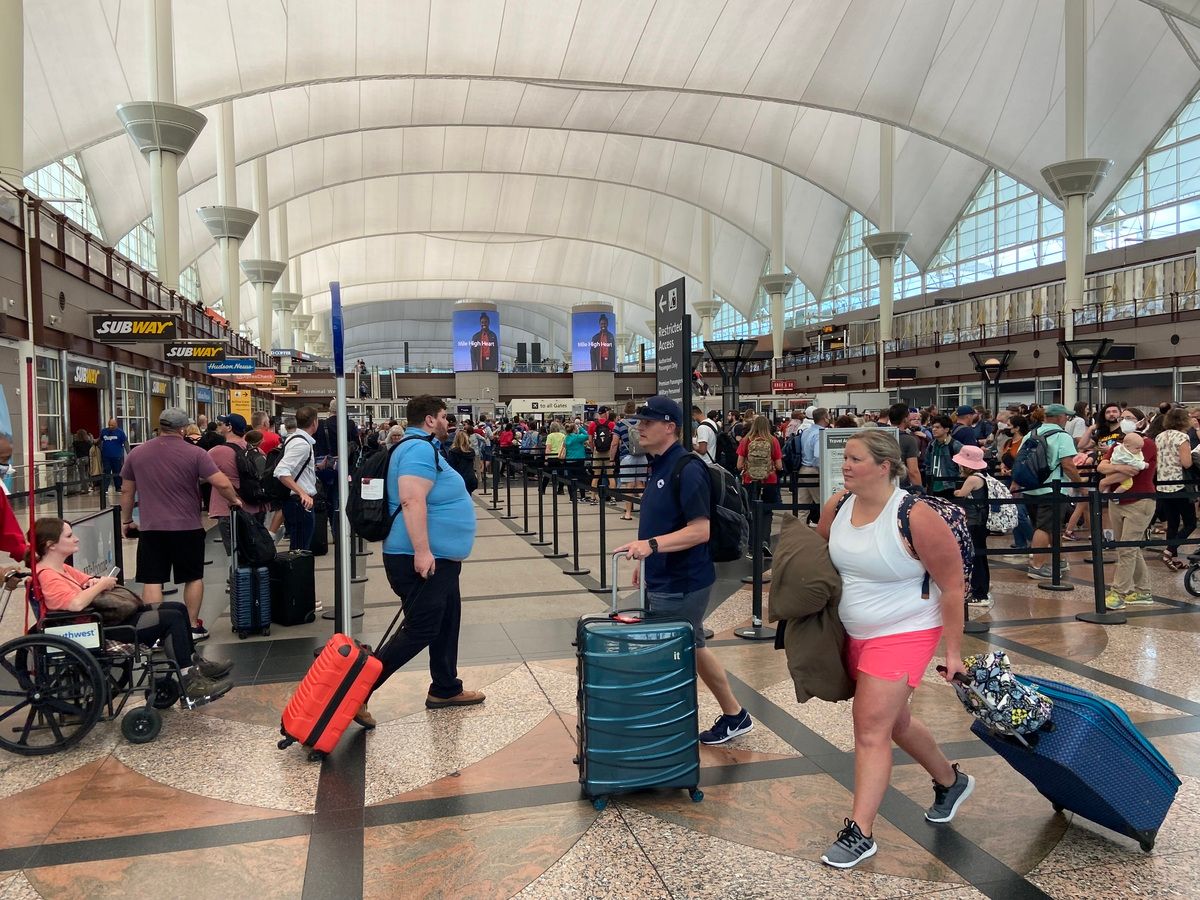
(133, 328)
(187, 351)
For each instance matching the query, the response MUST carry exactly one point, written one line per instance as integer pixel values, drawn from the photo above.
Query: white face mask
(1128, 426)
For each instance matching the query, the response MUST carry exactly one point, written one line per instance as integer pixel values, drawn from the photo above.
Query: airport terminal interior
(537, 211)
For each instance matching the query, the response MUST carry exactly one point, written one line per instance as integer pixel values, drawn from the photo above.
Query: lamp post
(991, 366)
(730, 358)
(1085, 353)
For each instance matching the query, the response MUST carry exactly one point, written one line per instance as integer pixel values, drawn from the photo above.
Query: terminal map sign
(833, 454)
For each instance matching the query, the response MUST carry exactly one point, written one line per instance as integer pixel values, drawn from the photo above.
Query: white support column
(1075, 179)
(228, 223)
(779, 281)
(12, 94)
(706, 242)
(164, 132)
(886, 245)
(262, 271)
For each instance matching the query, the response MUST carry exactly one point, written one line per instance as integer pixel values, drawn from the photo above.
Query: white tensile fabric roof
(590, 135)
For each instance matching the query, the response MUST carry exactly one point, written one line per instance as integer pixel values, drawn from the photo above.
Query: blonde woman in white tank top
(893, 631)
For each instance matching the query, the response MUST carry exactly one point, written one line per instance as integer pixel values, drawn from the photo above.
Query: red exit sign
(783, 386)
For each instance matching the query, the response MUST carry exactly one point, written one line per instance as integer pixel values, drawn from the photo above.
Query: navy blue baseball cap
(660, 409)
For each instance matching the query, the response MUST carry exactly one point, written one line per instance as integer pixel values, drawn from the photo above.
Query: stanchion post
(1101, 615)
(541, 535)
(58, 498)
(525, 467)
(756, 533)
(359, 547)
(1056, 583)
(356, 577)
(496, 463)
(756, 631)
(508, 467)
(557, 554)
(601, 490)
(575, 569)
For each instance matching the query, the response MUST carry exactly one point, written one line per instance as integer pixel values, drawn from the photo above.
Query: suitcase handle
(616, 557)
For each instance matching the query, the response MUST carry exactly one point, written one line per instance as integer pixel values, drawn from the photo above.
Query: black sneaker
(726, 728)
(199, 632)
(947, 800)
(850, 848)
(211, 668)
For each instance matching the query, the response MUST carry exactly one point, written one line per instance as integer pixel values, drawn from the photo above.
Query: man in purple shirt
(165, 474)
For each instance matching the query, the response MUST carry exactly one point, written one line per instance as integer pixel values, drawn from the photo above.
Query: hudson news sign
(195, 351)
(134, 328)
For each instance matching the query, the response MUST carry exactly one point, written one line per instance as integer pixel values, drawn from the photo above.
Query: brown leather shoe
(466, 698)
(364, 718)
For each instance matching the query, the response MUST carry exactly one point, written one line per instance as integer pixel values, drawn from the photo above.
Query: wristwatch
(653, 542)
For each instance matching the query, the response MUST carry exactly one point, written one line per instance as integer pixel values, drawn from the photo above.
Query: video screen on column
(593, 342)
(476, 340)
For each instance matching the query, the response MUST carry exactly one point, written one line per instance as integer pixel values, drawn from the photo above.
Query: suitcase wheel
(600, 803)
(1145, 840)
(1058, 807)
(315, 756)
(696, 794)
(242, 635)
(266, 632)
(284, 744)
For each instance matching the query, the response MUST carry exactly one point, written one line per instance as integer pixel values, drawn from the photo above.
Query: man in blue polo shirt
(432, 533)
(673, 540)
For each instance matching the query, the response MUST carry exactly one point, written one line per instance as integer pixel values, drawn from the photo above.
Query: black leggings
(168, 622)
(1180, 516)
(981, 573)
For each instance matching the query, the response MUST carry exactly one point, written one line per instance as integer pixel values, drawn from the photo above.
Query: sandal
(626, 518)
(1173, 563)
(1070, 535)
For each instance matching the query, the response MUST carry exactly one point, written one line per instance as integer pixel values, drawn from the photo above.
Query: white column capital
(1076, 177)
(886, 244)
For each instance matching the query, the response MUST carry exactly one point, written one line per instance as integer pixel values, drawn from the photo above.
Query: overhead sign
(134, 327)
(671, 342)
(232, 365)
(783, 386)
(593, 343)
(555, 406)
(335, 327)
(833, 454)
(195, 351)
(159, 388)
(204, 394)
(257, 376)
(239, 402)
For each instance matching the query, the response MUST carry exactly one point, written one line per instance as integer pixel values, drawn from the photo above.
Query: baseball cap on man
(964, 410)
(235, 421)
(173, 417)
(1057, 409)
(660, 409)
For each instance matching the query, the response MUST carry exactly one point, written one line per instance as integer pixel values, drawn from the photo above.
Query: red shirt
(776, 454)
(1143, 481)
(58, 589)
(269, 442)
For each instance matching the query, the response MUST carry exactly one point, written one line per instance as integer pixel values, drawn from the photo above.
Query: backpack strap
(677, 472)
(904, 520)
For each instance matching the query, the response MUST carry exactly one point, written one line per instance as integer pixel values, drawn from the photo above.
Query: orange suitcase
(330, 694)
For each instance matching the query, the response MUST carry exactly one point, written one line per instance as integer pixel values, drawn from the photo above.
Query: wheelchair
(70, 671)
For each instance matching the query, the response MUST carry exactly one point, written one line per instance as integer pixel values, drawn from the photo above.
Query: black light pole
(730, 358)
(991, 366)
(1085, 356)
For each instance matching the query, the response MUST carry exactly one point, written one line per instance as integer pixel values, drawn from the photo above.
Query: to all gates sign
(783, 386)
(133, 328)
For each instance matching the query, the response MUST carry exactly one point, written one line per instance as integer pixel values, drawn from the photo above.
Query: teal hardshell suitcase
(638, 722)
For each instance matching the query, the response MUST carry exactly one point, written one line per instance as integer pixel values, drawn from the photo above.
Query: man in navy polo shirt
(673, 539)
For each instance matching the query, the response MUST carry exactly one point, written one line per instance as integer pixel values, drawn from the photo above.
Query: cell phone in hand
(114, 572)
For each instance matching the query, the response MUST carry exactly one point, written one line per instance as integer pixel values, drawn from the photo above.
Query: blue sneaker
(726, 728)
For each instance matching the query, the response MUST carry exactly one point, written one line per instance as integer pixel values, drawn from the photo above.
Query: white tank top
(881, 582)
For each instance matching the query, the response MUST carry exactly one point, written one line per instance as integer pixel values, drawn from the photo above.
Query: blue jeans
(111, 469)
(1023, 533)
(299, 523)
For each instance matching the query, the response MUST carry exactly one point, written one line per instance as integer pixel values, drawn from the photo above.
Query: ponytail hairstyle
(46, 531)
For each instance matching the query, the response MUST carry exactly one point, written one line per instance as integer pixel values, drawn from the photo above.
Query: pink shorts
(893, 656)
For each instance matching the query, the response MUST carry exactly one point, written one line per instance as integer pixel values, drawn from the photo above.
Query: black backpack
(726, 451)
(275, 490)
(367, 508)
(729, 516)
(250, 486)
(602, 440)
(255, 546)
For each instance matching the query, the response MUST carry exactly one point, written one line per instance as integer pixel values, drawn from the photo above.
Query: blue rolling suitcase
(249, 595)
(638, 719)
(1093, 762)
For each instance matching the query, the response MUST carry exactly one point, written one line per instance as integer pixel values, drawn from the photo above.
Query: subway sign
(133, 328)
(195, 351)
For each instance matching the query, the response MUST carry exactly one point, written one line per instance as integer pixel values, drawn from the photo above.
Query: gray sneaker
(947, 800)
(1039, 571)
(850, 848)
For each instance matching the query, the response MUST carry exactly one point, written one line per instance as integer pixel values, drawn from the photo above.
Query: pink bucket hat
(971, 457)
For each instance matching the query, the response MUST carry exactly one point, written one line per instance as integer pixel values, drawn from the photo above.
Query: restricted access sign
(672, 344)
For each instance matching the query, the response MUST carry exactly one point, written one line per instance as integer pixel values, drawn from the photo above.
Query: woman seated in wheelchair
(63, 588)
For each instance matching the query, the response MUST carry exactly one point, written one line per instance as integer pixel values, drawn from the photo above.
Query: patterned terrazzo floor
(484, 802)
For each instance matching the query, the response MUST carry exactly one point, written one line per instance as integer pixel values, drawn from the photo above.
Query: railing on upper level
(118, 274)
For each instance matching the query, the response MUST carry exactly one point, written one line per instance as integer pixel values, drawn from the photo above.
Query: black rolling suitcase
(293, 588)
(320, 536)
